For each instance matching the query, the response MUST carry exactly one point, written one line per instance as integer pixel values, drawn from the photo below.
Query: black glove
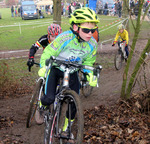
(30, 62)
(113, 44)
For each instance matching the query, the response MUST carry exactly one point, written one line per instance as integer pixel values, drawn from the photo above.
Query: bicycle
(54, 117)
(63, 100)
(120, 56)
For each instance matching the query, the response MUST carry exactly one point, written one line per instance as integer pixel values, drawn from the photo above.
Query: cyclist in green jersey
(75, 45)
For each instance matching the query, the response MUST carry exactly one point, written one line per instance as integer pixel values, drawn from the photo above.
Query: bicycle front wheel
(71, 104)
(34, 102)
(118, 60)
(86, 89)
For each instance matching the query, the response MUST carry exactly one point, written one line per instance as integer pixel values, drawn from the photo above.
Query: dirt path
(13, 112)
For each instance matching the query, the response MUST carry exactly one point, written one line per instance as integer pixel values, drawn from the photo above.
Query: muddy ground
(13, 111)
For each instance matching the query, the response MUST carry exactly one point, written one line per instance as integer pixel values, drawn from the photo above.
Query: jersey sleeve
(90, 60)
(33, 49)
(53, 49)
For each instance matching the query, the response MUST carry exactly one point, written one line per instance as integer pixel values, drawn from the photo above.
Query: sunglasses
(87, 30)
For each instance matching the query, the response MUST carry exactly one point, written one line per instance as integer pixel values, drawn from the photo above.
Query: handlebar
(72, 64)
(96, 70)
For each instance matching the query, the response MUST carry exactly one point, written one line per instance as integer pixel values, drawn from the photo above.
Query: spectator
(15, 11)
(116, 12)
(12, 11)
(69, 11)
(99, 7)
(19, 11)
(64, 11)
(132, 6)
(119, 8)
(136, 8)
(87, 3)
(106, 8)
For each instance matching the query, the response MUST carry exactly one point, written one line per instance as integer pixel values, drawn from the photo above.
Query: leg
(50, 86)
(127, 51)
(74, 85)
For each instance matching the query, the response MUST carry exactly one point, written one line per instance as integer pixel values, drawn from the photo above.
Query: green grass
(16, 33)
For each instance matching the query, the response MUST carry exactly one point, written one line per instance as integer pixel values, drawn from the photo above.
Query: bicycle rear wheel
(75, 128)
(118, 60)
(38, 92)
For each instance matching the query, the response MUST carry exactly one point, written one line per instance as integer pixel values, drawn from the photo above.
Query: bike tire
(34, 103)
(86, 90)
(59, 118)
(48, 124)
(78, 124)
(118, 60)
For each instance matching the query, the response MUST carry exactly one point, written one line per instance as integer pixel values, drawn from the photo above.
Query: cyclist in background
(123, 34)
(53, 31)
(76, 45)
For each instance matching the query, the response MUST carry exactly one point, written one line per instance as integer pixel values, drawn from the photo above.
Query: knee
(46, 100)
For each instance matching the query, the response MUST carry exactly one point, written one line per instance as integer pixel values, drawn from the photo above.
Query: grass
(16, 33)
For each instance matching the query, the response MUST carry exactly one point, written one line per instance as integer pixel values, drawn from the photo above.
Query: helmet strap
(77, 34)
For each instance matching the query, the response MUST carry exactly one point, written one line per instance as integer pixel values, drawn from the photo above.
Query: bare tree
(125, 93)
(57, 11)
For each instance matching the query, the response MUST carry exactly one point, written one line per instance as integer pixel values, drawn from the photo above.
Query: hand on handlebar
(92, 79)
(30, 62)
(113, 44)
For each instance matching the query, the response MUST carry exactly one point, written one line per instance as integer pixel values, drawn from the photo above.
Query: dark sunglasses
(87, 30)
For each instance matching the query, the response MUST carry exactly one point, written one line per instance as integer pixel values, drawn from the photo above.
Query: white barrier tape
(113, 25)
(17, 57)
(105, 41)
(25, 24)
(15, 51)
(40, 25)
(109, 24)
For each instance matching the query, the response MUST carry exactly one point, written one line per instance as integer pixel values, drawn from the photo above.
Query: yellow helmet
(121, 26)
(83, 15)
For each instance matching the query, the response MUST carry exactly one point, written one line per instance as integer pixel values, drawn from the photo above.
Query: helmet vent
(88, 16)
(80, 18)
(90, 11)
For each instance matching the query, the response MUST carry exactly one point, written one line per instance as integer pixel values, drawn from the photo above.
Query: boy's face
(86, 36)
(121, 30)
(52, 37)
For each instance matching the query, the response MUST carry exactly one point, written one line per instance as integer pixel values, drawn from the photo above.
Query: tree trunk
(137, 30)
(136, 69)
(57, 12)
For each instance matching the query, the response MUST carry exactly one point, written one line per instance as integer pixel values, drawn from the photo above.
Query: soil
(13, 111)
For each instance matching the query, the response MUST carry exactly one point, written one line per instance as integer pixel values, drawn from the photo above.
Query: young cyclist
(77, 45)
(53, 31)
(123, 34)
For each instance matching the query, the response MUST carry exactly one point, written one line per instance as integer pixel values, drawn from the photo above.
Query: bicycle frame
(122, 48)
